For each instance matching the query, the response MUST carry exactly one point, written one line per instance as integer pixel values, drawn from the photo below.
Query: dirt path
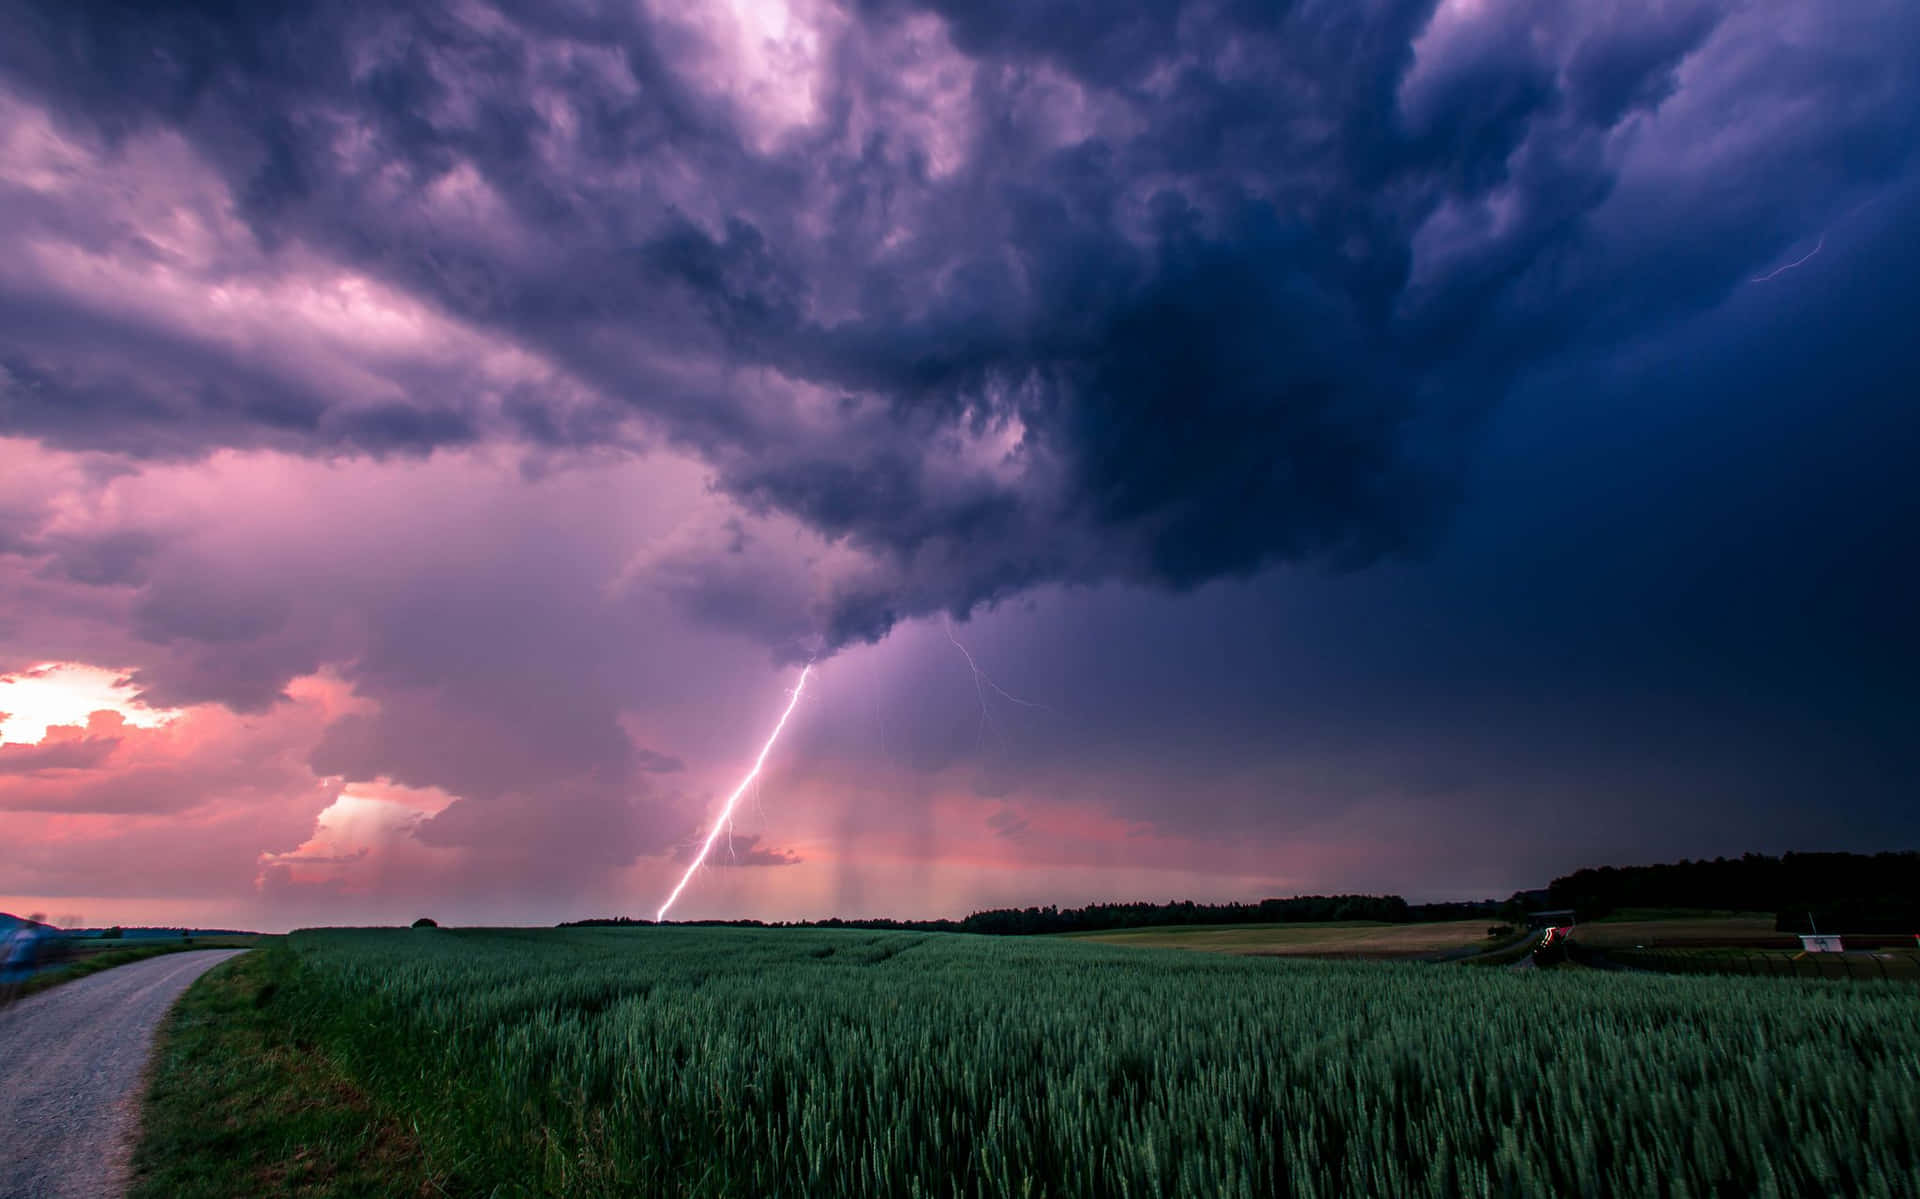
(70, 1065)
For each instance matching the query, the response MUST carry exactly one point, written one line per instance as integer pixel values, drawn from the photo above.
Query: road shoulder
(240, 1101)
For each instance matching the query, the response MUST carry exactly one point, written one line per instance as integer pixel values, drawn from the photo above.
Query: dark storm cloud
(1195, 289)
(119, 556)
(553, 837)
(1672, 618)
(654, 762)
(483, 725)
(231, 643)
(81, 379)
(474, 746)
(742, 850)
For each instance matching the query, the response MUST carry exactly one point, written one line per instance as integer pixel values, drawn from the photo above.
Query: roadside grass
(1339, 939)
(95, 962)
(241, 1100)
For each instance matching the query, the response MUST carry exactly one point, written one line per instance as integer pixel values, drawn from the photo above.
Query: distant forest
(1843, 892)
(1099, 917)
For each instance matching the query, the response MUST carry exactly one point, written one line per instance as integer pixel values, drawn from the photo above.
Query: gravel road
(71, 1060)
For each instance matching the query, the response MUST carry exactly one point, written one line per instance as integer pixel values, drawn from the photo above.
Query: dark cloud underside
(1153, 291)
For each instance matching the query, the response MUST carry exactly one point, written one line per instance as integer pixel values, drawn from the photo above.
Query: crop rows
(693, 1062)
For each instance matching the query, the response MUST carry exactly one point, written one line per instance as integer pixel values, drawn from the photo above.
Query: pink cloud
(744, 849)
(471, 626)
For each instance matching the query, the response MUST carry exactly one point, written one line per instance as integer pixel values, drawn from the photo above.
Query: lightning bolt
(726, 813)
(1778, 270)
(982, 683)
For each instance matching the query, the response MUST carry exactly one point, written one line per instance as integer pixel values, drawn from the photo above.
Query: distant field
(696, 1062)
(1742, 929)
(1346, 939)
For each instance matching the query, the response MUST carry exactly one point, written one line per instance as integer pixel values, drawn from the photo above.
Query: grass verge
(241, 1100)
(94, 963)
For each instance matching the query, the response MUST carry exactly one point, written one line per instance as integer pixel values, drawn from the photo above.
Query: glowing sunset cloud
(726, 812)
(61, 693)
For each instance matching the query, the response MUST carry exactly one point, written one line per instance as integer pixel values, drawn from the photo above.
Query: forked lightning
(726, 812)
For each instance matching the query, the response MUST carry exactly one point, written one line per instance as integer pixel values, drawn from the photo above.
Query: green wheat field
(681, 1061)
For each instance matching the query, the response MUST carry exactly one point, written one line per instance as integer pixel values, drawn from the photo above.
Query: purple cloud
(1165, 296)
(52, 756)
(743, 849)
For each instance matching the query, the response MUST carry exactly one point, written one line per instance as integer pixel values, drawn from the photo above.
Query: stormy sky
(1394, 446)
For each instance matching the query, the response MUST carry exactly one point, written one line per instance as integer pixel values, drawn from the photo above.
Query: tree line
(1104, 917)
(1841, 892)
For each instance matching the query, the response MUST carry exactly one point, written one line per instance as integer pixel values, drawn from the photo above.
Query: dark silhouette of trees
(1102, 917)
(1844, 892)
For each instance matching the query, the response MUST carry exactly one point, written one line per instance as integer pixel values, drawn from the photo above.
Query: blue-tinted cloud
(1156, 292)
